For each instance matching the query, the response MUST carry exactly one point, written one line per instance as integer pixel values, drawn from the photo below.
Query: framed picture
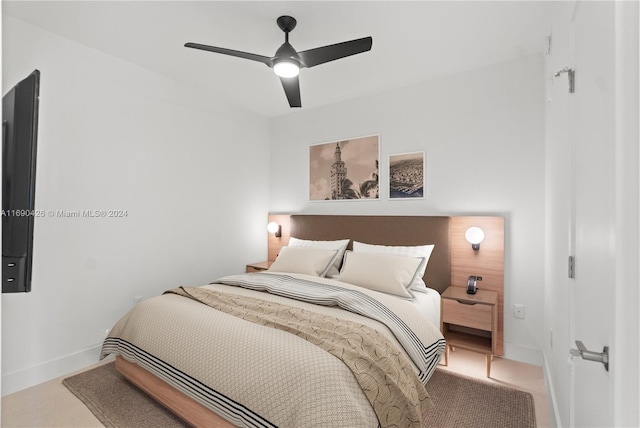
(407, 175)
(344, 170)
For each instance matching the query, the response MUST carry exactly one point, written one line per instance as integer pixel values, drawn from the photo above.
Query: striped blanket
(355, 301)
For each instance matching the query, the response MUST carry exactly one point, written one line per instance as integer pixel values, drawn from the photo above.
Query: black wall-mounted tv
(19, 144)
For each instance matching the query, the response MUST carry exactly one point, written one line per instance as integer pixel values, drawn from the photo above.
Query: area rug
(460, 402)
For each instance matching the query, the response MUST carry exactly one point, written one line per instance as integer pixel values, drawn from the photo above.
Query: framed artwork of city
(344, 170)
(407, 175)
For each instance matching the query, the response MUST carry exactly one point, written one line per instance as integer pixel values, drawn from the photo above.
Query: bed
(295, 346)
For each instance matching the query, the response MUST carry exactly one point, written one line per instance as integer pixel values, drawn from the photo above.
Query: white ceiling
(412, 41)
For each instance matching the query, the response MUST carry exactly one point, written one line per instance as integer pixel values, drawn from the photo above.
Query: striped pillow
(340, 246)
(380, 272)
(420, 251)
(309, 261)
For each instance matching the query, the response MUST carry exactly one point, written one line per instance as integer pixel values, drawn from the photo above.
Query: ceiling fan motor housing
(287, 52)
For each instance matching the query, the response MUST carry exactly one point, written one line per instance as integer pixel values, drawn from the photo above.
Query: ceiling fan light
(286, 69)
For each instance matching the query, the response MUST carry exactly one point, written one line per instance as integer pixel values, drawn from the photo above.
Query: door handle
(599, 357)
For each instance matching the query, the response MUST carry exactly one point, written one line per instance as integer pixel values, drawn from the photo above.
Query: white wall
(483, 134)
(115, 136)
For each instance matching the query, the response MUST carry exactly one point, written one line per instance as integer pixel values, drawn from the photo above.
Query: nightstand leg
(446, 355)
(489, 358)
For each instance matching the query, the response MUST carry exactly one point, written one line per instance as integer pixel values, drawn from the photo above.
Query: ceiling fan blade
(313, 57)
(246, 55)
(291, 87)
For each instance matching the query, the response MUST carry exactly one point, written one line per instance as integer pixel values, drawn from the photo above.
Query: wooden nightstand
(258, 267)
(470, 321)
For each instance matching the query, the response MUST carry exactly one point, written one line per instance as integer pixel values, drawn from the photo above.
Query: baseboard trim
(523, 354)
(36, 374)
(554, 413)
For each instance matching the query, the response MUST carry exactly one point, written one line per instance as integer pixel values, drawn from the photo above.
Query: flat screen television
(19, 144)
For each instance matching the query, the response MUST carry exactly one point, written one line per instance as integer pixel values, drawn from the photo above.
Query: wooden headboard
(451, 262)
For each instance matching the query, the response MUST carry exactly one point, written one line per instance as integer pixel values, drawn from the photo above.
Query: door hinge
(571, 73)
(572, 267)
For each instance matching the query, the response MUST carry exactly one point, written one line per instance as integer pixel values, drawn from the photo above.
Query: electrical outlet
(518, 311)
(136, 300)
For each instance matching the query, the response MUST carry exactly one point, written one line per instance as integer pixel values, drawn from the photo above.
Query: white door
(593, 290)
(589, 138)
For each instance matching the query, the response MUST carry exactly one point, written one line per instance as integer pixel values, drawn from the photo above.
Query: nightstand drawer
(469, 315)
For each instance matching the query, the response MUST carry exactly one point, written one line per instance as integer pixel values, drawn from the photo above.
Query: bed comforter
(303, 363)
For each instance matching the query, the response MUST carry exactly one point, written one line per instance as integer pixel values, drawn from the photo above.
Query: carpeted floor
(460, 402)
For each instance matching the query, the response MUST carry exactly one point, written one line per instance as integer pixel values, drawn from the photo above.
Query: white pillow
(422, 251)
(340, 246)
(310, 261)
(381, 272)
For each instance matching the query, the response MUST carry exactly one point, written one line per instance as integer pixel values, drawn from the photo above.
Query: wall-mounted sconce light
(474, 235)
(274, 228)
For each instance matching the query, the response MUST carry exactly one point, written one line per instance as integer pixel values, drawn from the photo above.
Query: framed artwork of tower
(345, 169)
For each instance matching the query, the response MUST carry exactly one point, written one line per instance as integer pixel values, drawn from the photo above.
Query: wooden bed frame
(450, 264)
(187, 409)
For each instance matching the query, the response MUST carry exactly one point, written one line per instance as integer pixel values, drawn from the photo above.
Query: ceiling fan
(286, 63)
